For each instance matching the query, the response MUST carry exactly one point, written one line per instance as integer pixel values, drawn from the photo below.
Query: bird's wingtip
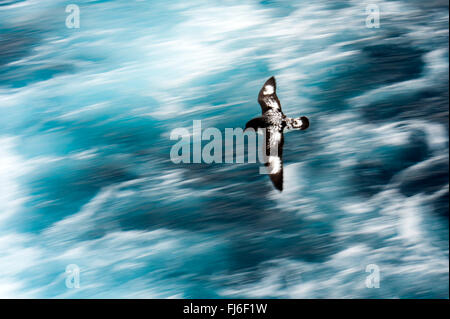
(271, 81)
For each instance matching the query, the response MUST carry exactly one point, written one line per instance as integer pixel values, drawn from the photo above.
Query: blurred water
(86, 178)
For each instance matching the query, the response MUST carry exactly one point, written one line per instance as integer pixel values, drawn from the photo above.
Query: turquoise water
(86, 178)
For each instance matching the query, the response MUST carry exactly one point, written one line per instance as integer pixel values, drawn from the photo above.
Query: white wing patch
(275, 138)
(272, 104)
(274, 164)
(268, 89)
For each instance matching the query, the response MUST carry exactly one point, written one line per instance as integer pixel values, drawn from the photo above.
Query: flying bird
(273, 121)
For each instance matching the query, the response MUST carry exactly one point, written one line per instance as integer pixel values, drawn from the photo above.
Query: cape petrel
(274, 121)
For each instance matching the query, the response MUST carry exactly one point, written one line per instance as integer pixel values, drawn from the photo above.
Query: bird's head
(301, 123)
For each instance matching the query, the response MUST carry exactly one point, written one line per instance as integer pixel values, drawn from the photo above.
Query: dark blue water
(86, 177)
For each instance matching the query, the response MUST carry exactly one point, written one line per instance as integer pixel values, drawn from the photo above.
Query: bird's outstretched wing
(257, 122)
(267, 96)
(274, 155)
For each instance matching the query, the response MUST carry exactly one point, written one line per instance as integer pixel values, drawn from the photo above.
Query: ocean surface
(86, 177)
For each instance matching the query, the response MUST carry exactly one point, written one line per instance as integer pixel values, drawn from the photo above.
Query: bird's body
(274, 122)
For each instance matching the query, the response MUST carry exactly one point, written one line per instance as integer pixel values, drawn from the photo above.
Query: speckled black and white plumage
(273, 121)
